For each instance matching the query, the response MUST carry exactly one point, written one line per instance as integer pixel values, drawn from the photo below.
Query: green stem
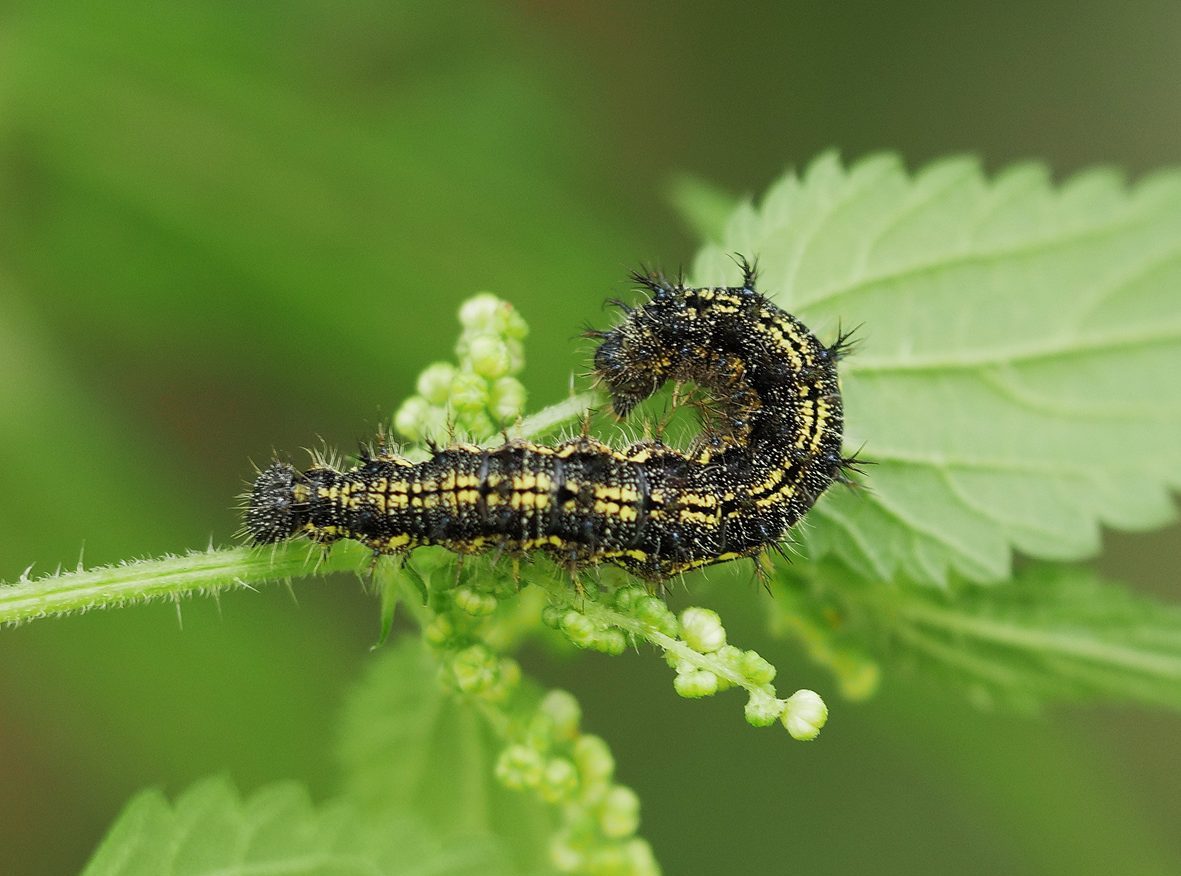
(676, 647)
(204, 572)
(545, 421)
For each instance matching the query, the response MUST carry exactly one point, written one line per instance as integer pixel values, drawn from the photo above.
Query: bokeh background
(227, 227)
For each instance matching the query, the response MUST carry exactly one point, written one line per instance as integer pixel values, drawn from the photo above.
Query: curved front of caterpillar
(772, 449)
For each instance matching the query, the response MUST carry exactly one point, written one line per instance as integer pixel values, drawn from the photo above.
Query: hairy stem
(545, 421)
(204, 572)
(676, 647)
(208, 572)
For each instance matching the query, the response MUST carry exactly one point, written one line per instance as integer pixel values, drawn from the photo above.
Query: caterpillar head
(628, 362)
(274, 512)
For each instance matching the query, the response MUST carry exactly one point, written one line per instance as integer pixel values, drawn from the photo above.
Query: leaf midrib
(1031, 247)
(1032, 353)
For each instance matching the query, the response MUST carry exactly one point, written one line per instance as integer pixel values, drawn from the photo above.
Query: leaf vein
(1025, 248)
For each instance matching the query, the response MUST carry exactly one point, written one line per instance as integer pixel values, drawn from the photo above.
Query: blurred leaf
(1053, 633)
(406, 744)
(50, 419)
(211, 830)
(388, 589)
(1016, 376)
(253, 180)
(706, 208)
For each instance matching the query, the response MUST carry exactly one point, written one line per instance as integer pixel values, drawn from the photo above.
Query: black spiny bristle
(845, 342)
(750, 270)
(852, 464)
(654, 281)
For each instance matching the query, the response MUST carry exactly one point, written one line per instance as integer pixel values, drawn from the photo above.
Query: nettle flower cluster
(694, 646)
(473, 618)
(544, 752)
(481, 394)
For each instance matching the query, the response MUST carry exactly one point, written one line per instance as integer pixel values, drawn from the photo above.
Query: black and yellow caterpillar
(772, 447)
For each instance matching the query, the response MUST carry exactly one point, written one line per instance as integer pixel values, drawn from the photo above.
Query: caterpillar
(770, 449)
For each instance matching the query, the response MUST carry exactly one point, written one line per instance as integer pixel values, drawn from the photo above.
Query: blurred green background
(227, 227)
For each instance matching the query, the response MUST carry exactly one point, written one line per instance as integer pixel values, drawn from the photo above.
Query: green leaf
(339, 181)
(211, 830)
(416, 579)
(406, 744)
(706, 208)
(388, 588)
(1054, 632)
(1015, 379)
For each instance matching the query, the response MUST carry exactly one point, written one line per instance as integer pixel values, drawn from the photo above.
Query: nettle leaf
(1015, 379)
(212, 830)
(408, 744)
(704, 207)
(1054, 632)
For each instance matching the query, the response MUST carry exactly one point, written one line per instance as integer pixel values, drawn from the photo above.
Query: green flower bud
(731, 658)
(702, 630)
(516, 356)
(699, 683)
(551, 616)
(611, 641)
(640, 860)
(755, 668)
(512, 324)
(579, 628)
(474, 668)
(417, 420)
(411, 417)
(730, 655)
(483, 313)
(607, 861)
(508, 676)
(620, 814)
(859, 676)
(508, 398)
(519, 766)
(435, 423)
(477, 424)
(564, 713)
(626, 598)
(655, 613)
(469, 392)
(565, 856)
(559, 781)
(762, 709)
(439, 631)
(473, 602)
(434, 383)
(593, 758)
(489, 356)
(539, 732)
(804, 714)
